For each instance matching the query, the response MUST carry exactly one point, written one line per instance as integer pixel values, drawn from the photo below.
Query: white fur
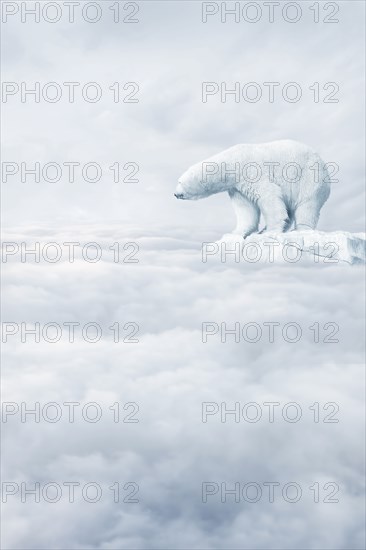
(278, 200)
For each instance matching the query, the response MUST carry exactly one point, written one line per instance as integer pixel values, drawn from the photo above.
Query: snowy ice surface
(299, 246)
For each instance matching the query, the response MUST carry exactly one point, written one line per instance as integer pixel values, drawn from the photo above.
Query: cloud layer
(169, 373)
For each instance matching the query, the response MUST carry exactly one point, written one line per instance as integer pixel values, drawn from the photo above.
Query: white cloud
(169, 374)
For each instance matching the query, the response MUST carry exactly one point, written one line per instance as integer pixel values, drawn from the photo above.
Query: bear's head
(201, 180)
(191, 185)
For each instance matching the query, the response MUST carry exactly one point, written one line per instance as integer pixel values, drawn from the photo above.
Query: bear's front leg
(247, 214)
(273, 209)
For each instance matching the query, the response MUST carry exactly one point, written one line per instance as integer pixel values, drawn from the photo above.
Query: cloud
(169, 54)
(169, 373)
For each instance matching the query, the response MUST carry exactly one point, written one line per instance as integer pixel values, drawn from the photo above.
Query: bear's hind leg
(289, 221)
(306, 216)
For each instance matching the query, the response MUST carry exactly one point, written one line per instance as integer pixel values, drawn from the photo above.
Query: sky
(170, 292)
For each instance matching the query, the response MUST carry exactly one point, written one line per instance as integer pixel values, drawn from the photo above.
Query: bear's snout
(179, 191)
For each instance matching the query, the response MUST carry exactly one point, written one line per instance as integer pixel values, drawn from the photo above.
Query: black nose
(178, 195)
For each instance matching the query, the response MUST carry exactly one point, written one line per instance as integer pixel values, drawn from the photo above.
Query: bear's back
(282, 147)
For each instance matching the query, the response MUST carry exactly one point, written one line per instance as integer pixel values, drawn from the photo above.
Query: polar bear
(284, 181)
